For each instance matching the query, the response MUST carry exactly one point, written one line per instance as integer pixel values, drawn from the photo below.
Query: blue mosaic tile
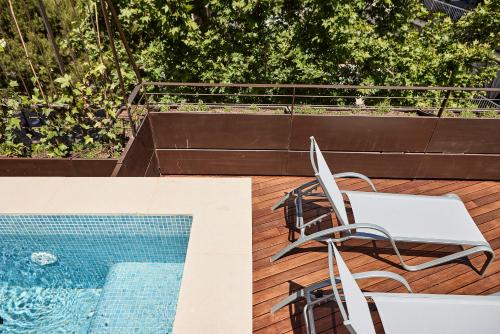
(138, 298)
(86, 247)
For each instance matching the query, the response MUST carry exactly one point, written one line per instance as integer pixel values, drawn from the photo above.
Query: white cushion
(403, 313)
(416, 217)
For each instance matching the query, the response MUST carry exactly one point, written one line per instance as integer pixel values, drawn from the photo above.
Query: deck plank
(273, 281)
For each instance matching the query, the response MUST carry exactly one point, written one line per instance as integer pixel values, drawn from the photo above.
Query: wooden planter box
(56, 167)
(263, 144)
(259, 144)
(138, 157)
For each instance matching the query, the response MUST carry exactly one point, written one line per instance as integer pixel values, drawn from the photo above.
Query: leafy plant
(308, 110)
(165, 107)
(490, 114)
(383, 107)
(467, 114)
(448, 114)
(354, 42)
(202, 106)
(254, 108)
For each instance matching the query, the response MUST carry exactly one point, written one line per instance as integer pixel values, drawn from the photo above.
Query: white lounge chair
(401, 313)
(383, 216)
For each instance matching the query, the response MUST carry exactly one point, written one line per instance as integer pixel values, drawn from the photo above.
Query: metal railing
(485, 103)
(308, 99)
(452, 11)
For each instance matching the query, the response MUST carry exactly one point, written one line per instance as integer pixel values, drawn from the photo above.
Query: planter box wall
(56, 167)
(362, 133)
(400, 147)
(257, 144)
(139, 158)
(221, 131)
(466, 136)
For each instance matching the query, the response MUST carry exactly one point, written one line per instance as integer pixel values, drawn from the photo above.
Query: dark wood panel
(466, 136)
(101, 167)
(56, 167)
(362, 133)
(377, 146)
(153, 169)
(138, 152)
(387, 165)
(220, 162)
(220, 131)
(35, 167)
(391, 165)
(460, 166)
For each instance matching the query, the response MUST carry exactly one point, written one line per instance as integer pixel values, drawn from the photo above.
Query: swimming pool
(91, 273)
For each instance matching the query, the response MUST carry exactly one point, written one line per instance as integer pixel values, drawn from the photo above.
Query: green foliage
(187, 107)
(308, 110)
(77, 112)
(383, 107)
(254, 108)
(448, 114)
(309, 41)
(202, 106)
(490, 114)
(165, 107)
(467, 114)
(11, 137)
(298, 41)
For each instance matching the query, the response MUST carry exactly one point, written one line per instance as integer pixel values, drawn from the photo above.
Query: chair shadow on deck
(327, 316)
(311, 211)
(379, 250)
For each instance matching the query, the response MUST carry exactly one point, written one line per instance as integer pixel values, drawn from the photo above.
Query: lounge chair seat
(438, 219)
(427, 313)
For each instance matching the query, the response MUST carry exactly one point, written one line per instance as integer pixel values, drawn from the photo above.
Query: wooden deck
(273, 281)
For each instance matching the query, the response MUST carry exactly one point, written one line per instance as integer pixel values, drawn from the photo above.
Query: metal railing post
(130, 100)
(444, 103)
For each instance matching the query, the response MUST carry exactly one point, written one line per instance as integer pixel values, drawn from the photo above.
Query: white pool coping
(216, 289)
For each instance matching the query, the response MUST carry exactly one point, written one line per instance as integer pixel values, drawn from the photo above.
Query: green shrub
(383, 107)
(491, 113)
(467, 114)
(308, 110)
(202, 106)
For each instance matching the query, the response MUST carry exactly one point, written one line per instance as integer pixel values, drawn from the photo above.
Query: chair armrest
(327, 233)
(356, 175)
(383, 274)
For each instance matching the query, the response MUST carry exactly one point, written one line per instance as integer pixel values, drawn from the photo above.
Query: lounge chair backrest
(358, 319)
(327, 181)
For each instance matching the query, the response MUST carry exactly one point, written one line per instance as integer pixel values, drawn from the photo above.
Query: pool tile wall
(96, 224)
(88, 244)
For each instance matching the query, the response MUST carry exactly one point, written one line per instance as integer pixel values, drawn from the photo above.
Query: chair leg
(287, 300)
(302, 293)
(309, 319)
(490, 256)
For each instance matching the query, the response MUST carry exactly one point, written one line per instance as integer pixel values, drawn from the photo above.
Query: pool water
(110, 274)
